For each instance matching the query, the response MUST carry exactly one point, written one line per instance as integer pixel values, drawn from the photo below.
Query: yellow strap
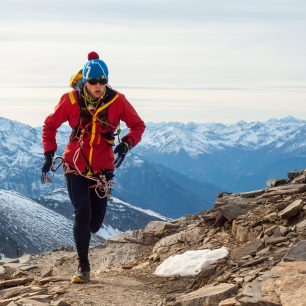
(112, 141)
(93, 128)
(104, 106)
(71, 97)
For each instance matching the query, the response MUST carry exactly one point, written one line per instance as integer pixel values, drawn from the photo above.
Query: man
(93, 110)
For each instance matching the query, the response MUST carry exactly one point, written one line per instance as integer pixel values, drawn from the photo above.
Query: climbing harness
(102, 182)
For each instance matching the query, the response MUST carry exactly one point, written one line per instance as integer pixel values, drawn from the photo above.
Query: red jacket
(94, 147)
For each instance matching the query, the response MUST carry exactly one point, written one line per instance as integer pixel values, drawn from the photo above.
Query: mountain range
(145, 183)
(177, 168)
(234, 157)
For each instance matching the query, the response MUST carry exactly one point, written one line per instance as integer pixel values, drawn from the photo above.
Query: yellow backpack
(76, 79)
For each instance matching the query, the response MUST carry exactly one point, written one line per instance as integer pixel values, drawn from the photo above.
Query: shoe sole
(79, 280)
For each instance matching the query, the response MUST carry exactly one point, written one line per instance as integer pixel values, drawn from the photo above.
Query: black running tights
(89, 212)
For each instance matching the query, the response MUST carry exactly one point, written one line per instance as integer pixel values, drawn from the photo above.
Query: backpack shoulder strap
(72, 97)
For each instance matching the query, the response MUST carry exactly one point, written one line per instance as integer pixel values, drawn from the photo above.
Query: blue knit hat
(94, 68)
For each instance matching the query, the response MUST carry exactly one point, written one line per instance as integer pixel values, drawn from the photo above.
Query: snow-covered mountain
(177, 168)
(235, 157)
(155, 186)
(197, 139)
(120, 216)
(173, 194)
(26, 226)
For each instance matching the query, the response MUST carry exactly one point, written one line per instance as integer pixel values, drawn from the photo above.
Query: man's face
(95, 87)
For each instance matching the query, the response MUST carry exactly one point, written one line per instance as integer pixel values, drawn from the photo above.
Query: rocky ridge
(263, 230)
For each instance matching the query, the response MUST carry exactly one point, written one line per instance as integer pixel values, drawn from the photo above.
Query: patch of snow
(190, 263)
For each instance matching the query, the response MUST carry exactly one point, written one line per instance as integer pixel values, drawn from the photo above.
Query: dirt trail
(113, 287)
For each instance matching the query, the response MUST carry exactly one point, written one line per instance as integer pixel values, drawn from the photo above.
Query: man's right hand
(46, 166)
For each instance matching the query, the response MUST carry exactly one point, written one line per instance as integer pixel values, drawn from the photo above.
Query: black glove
(121, 149)
(46, 166)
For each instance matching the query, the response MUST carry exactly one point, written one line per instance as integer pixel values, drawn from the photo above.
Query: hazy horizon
(221, 61)
(149, 101)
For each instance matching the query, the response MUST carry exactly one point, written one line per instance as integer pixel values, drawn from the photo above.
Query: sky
(201, 61)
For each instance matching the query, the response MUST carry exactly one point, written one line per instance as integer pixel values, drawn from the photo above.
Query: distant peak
(289, 119)
(241, 122)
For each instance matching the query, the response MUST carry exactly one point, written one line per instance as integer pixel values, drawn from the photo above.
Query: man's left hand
(121, 150)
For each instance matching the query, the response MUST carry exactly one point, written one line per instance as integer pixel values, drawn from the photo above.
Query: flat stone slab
(11, 292)
(299, 179)
(297, 252)
(159, 227)
(275, 240)
(247, 249)
(280, 192)
(228, 302)
(32, 302)
(15, 282)
(252, 194)
(207, 295)
(231, 212)
(52, 279)
(300, 187)
(301, 225)
(292, 209)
